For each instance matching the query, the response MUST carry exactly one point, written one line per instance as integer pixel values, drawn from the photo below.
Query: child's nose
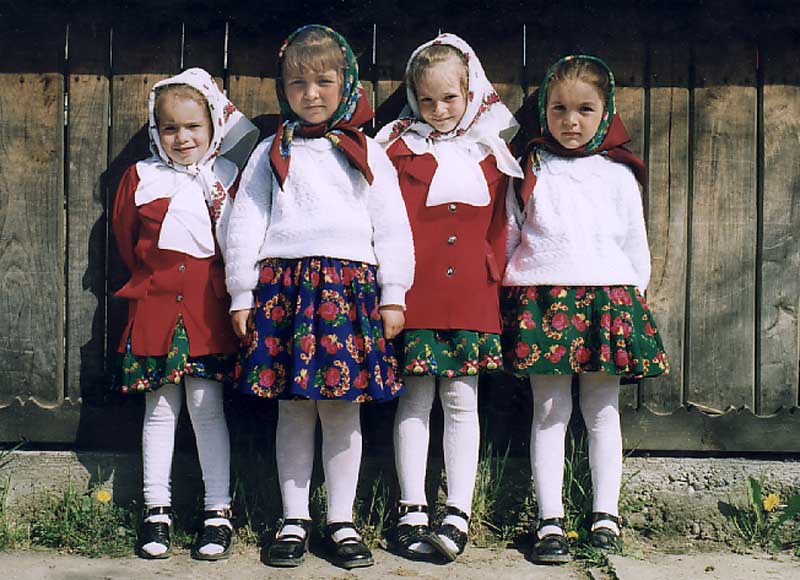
(312, 90)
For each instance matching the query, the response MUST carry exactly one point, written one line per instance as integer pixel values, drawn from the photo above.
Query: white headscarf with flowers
(198, 193)
(486, 128)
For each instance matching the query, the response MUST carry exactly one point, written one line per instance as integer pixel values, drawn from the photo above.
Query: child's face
(440, 99)
(314, 96)
(575, 109)
(184, 128)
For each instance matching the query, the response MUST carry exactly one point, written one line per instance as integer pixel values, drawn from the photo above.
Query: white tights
(341, 455)
(459, 398)
(162, 407)
(552, 408)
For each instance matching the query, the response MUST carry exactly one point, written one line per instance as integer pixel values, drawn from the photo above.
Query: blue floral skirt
(316, 333)
(557, 330)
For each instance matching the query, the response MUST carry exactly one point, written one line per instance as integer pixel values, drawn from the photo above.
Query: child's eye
(559, 108)
(587, 109)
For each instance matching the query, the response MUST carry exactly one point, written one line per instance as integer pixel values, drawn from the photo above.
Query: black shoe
(351, 552)
(220, 535)
(552, 548)
(158, 532)
(449, 531)
(289, 550)
(604, 538)
(409, 534)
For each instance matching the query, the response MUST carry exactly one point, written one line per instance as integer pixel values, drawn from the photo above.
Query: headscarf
(198, 193)
(608, 140)
(486, 127)
(342, 129)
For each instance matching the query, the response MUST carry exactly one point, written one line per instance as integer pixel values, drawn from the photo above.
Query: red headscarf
(611, 146)
(613, 134)
(342, 129)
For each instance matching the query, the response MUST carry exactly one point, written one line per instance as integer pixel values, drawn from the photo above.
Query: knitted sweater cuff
(393, 294)
(242, 300)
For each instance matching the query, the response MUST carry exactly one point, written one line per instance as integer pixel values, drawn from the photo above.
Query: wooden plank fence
(710, 92)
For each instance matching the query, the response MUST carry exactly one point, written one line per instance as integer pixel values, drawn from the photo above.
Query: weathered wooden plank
(204, 41)
(252, 68)
(780, 243)
(689, 429)
(87, 156)
(668, 214)
(32, 216)
(721, 338)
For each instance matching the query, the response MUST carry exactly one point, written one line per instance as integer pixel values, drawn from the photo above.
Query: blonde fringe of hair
(313, 50)
(432, 55)
(181, 91)
(584, 70)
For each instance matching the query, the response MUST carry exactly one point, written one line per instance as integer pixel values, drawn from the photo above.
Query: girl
(319, 210)
(168, 213)
(579, 265)
(449, 148)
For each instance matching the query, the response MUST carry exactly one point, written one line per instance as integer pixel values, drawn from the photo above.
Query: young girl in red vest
(449, 148)
(579, 264)
(168, 215)
(319, 259)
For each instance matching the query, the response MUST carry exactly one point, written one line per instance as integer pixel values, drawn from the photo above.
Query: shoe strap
(452, 510)
(404, 509)
(557, 522)
(224, 513)
(159, 510)
(335, 527)
(600, 516)
(298, 522)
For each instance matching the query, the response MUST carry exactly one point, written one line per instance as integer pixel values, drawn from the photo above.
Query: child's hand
(393, 320)
(239, 319)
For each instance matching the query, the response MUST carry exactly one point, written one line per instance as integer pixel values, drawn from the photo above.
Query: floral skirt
(316, 333)
(141, 374)
(450, 353)
(556, 330)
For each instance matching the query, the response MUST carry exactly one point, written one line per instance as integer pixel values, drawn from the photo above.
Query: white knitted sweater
(326, 208)
(583, 225)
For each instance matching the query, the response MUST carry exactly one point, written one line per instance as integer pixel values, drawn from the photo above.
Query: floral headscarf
(608, 140)
(342, 129)
(198, 193)
(486, 127)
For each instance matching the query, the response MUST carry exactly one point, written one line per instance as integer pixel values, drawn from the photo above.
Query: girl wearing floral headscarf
(450, 150)
(318, 261)
(169, 214)
(579, 264)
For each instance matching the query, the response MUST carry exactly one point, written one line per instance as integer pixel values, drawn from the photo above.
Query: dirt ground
(476, 563)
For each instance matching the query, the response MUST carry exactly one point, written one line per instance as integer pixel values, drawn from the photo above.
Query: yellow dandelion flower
(771, 501)
(572, 535)
(103, 496)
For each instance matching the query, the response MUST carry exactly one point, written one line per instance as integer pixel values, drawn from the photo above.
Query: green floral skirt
(558, 330)
(450, 353)
(141, 374)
